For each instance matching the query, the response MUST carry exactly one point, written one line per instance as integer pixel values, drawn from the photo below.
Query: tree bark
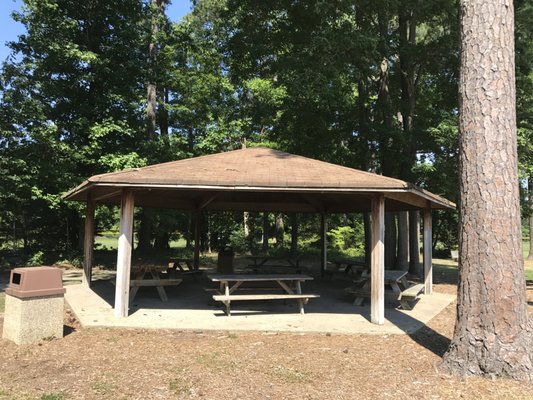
(390, 240)
(246, 224)
(493, 334)
(157, 9)
(407, 34)
(280, 229)
(294, 234)
(402, 257)
(145, 231)
(414, 243)
(265, 232)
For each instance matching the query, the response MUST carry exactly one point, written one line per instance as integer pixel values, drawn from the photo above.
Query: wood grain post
(197, 215)
(88, 242)
(428, 255)
(323, 243)
(125, 244)
(377, 278)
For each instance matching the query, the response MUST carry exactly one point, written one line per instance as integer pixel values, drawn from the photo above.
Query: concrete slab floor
(190, 307)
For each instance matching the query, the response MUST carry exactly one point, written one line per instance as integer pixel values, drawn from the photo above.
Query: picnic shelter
(256, 179)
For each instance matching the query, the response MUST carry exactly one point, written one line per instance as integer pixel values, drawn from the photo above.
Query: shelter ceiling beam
(205, 201)
(260, 207)
(105, 196)
(317, 205)
(408, 198)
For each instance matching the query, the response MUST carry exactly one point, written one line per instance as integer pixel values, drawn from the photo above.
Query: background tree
(493, 334)
(524, 94)
(70, 102)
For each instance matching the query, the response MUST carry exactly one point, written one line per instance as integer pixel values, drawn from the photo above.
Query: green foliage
(36, 259)
(335, 81)
(342, 238)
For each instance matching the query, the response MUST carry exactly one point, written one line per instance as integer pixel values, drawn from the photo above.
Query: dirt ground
(164, 364)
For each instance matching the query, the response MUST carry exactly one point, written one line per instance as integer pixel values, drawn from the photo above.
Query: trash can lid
(35, 282)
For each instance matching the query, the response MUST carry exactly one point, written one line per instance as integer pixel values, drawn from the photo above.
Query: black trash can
(225, 260)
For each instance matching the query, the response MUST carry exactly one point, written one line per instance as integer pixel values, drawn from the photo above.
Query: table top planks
(258, 277)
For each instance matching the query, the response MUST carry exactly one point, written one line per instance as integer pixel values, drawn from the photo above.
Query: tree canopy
(367, 84)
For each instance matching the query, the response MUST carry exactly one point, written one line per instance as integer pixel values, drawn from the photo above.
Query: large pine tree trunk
(493, 335)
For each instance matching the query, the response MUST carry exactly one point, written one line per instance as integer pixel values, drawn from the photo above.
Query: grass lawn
(446, 269)
(110, 241)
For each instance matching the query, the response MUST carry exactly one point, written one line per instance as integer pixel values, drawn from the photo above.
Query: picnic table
(290, 285)
(265, 262)
(179, 267)
(149, 275)
(398, 287)
(348, 267)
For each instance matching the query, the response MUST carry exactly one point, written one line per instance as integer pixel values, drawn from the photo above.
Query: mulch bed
(165, 364)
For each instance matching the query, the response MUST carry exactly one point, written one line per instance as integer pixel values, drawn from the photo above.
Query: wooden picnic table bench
(179, 267)
(140, 279)
(400, 289)
(265, 262)
(289, 283)
(348, 267)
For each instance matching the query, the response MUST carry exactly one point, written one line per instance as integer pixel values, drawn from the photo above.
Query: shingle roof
(251, 169)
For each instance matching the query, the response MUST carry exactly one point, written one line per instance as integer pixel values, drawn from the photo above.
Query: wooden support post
(323, 243)
(377, 277)
(428, 255)
(197, 239)
(88, 242)
(125, 244)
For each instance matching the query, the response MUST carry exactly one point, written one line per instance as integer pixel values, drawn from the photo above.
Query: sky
(10, 30)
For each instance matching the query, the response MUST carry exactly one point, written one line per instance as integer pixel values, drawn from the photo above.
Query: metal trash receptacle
(225, 260)
(34, 305)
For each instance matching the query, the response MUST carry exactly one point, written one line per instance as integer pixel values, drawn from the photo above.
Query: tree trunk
(368, 237)
(245, 218)
(390, 240)
(150, 111)
(246, 225)
(415, 267)
(402, 259)
(265, 232)
(157, 9)
(294, 234)
(208, 234)
(188, 231)
(530, 202)
(493, 335)
(385, 109)
(162, 115)
(145, 231)
(161, 241)
(280, 229)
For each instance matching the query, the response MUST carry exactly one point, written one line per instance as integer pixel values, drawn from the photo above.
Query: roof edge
(435, 199)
